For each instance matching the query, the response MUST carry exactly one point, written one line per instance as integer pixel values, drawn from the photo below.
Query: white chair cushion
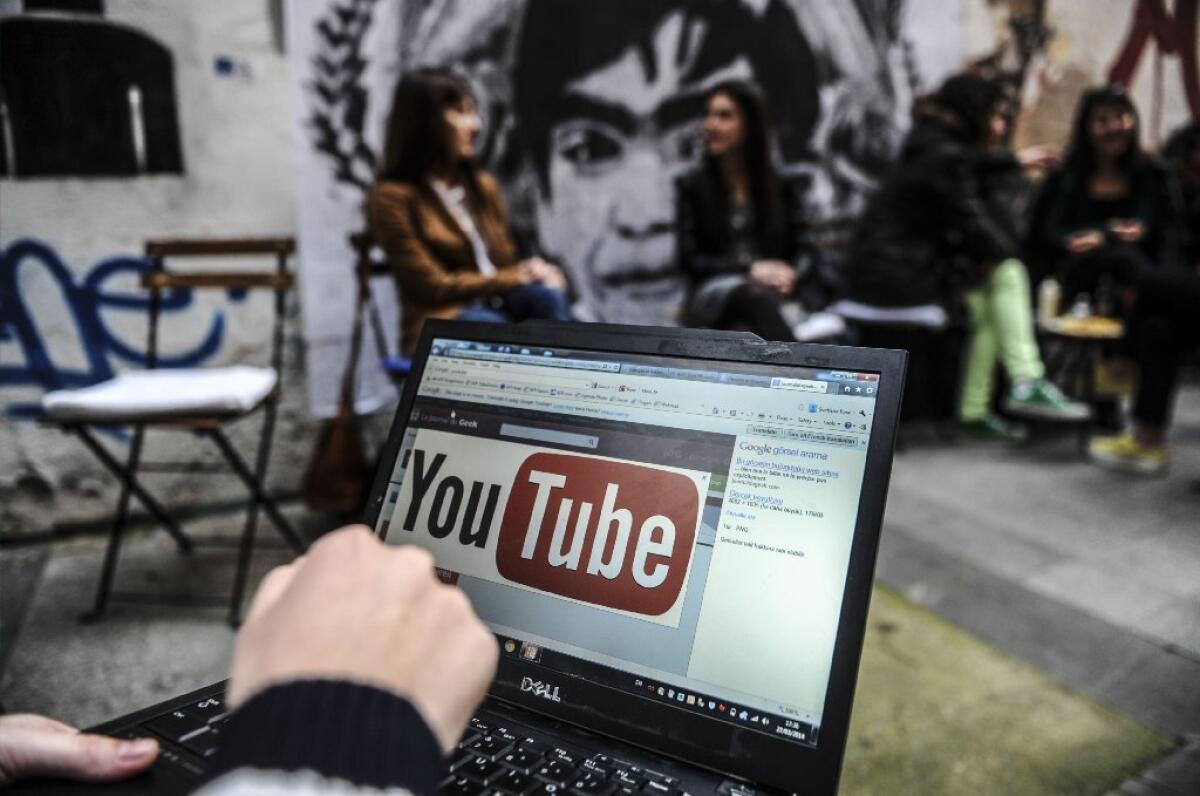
(930, 316)
(167, 391)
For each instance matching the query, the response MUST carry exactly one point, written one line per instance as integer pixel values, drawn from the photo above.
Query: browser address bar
(516, 376)
(800, 385)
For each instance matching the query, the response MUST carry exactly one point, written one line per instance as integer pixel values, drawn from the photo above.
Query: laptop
(672, 535)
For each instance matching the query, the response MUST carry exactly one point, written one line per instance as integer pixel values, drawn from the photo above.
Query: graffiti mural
(590, 110)
(1173, 34)
(87, 300)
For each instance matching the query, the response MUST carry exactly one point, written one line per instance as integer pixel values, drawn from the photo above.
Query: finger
(33, 722)
(77, 756)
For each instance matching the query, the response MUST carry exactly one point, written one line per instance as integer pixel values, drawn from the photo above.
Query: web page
(688, 528)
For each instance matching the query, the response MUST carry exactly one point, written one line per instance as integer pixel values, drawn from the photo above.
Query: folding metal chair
(370, 264)
(200, 401)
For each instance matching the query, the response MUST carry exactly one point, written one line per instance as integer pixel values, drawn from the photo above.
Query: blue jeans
(520, 304)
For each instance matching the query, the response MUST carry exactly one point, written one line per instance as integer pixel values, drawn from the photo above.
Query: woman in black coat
(939, 231)
(739, 232)
(1112, 214)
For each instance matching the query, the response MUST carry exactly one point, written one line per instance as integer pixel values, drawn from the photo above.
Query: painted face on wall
(620, 136)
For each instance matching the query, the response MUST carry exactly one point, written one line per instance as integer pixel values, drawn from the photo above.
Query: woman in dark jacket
(1112, 213)
(739, 231)
(937, 233)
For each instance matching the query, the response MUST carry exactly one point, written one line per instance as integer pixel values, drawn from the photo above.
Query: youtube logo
(612, 533)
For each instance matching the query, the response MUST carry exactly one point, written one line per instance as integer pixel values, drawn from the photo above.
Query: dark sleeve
(969, 227)
(801, 253)
(693, 259)
(356, 733)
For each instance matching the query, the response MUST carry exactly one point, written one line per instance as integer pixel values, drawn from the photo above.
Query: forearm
(325, 734)
(439, 288)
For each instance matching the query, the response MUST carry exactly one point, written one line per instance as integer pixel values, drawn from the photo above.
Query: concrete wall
(230, 81)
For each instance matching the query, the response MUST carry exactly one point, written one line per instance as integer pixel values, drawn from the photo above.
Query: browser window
(651, 523)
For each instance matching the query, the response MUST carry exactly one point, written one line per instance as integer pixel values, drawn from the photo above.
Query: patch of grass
(939, 711)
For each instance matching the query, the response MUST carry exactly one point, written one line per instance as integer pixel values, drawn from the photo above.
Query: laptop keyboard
(492, 758)
(495, 756)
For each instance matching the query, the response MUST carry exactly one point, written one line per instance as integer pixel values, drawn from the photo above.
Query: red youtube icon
(611, 533)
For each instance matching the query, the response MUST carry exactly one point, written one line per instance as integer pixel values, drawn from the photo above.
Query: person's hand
(775, 274)
(543, 272)
(1081, 242)
(1129, 230)
(35, 746)
(356, 609)
(1041, 156)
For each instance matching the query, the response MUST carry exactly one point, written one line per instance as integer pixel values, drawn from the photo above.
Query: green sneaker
(991, 428)
(1041, 400)
(1127, 455)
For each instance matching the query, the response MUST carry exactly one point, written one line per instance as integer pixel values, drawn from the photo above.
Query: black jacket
(927, 233)
(704, 238)
(1062, 209)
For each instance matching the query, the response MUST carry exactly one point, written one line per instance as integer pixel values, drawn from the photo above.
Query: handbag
(337, 478)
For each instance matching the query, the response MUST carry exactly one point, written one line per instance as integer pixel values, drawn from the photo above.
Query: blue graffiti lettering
(85, 300)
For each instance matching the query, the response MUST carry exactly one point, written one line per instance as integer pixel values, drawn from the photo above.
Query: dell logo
(544, 690)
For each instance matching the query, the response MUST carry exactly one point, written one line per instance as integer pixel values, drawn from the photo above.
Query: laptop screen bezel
(743, 753)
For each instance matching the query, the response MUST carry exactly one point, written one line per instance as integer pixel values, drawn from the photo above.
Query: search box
(802, 385)
(549, 435)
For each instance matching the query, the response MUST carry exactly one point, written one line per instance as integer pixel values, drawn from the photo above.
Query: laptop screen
(675, 529)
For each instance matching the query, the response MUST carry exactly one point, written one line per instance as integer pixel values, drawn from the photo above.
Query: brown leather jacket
(434, 265)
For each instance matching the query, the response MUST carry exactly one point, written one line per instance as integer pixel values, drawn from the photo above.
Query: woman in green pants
(942, 229)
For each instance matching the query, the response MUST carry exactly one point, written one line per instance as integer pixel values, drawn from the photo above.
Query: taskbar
(683, 698)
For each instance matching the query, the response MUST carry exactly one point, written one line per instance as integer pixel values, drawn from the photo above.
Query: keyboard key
(625, 778)
(535, 746)
(514, 782)
(458, 759)
(504, 734)
(521, 760)
(469, 737)
(479, 725)
(591, 784)
(489, 747)
(555, 771)
(653, 788)
(548, 789)
(208, 709)
(177, 725)
(204, 743)
(565, 756)
(482, 770)
(179, 763)
(460, 786)
(663, 778)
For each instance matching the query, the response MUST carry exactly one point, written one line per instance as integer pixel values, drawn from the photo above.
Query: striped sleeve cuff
(356, 733)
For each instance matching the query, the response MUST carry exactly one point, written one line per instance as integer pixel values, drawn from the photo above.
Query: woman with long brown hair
(740, 235)
(442, 221)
